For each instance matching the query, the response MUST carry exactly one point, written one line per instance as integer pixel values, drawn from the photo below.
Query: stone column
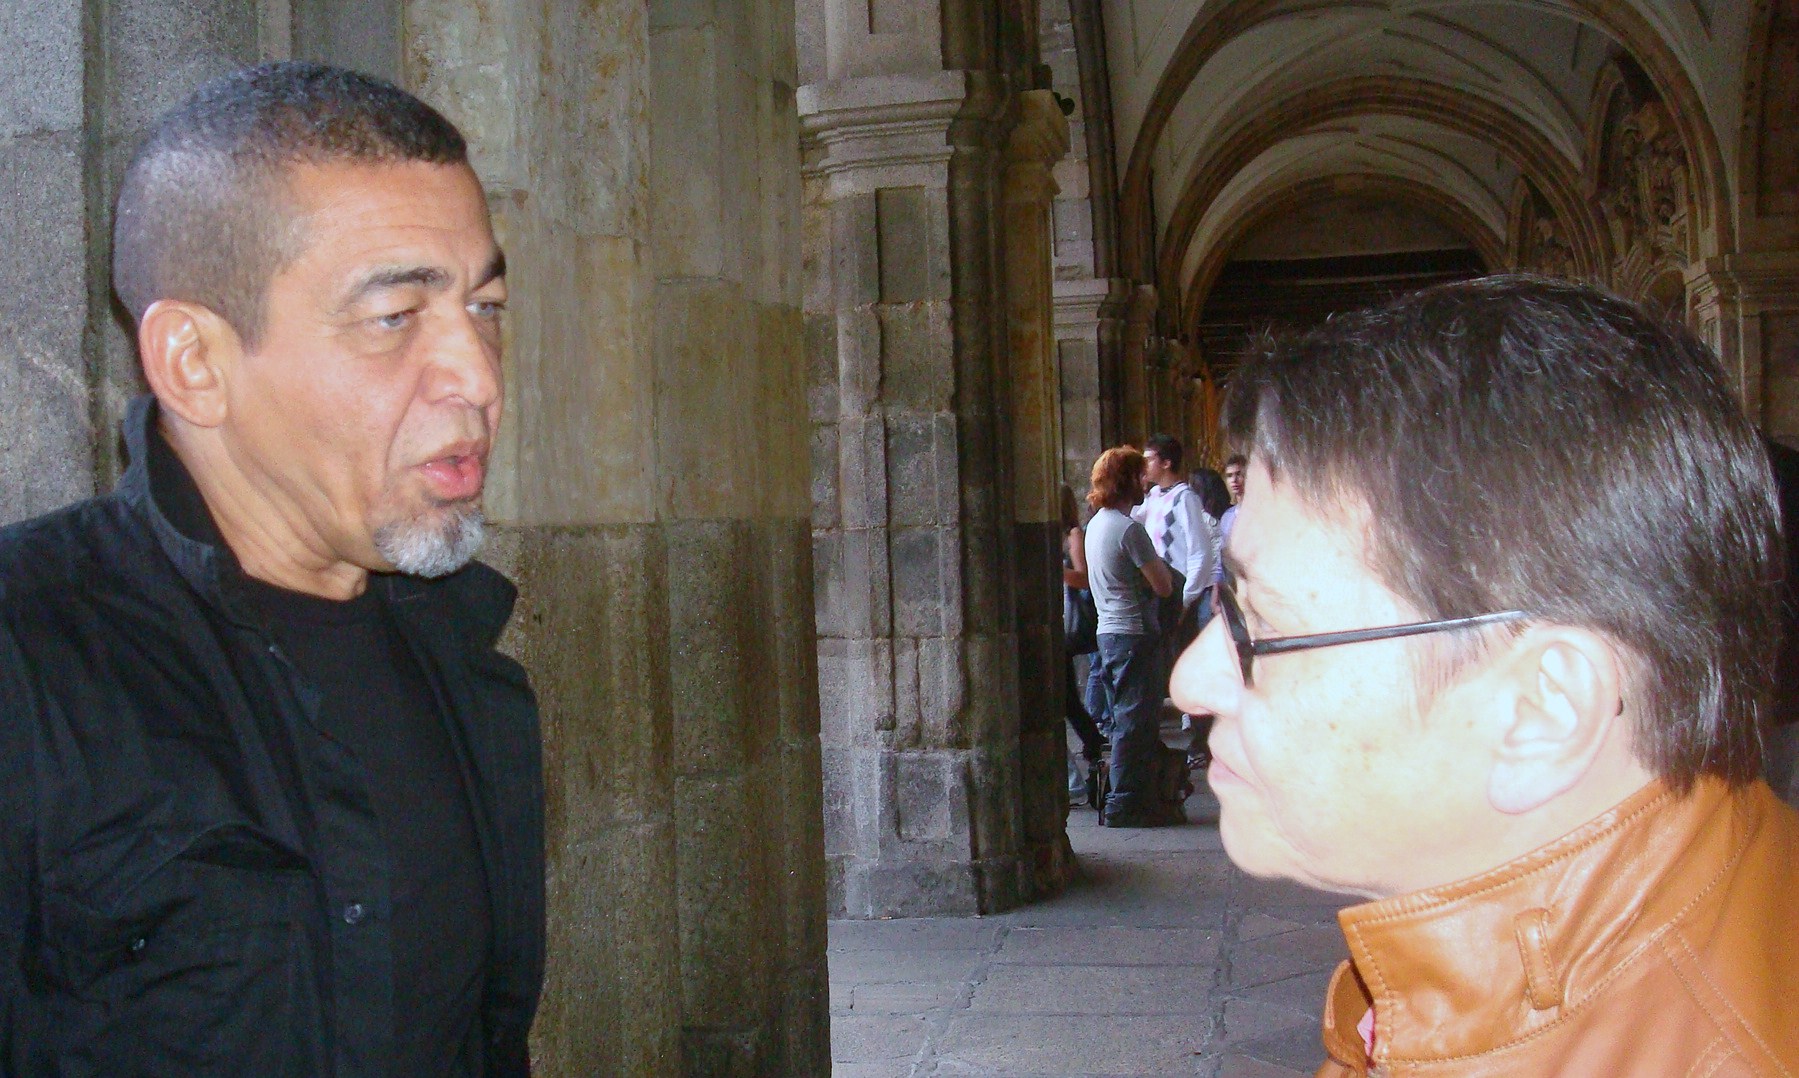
(564, 154)
(47, 460)
(906, 127)
(1136, 355)
(1089, 301)
(887, 507)
(1087, 330)
(639, 166)
(1039, 140)
(732, 481)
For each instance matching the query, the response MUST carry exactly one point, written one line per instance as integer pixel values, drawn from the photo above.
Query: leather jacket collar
(1462, 969)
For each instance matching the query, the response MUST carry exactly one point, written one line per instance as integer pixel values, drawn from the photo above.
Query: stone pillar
(733, 480)
(887, 507)
(639, 167)
(564, 154)
(82, 83)
(1746, 306)
(1089, 301)
(1039, 140)
(1087, 330)
(913, 451)
(47, 459)
(1136, 355)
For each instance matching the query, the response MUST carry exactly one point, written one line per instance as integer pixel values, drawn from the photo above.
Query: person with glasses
(1518, 716)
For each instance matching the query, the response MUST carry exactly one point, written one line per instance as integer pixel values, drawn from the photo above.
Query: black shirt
(376, 703)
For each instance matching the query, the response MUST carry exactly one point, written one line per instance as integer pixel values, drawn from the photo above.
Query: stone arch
(1488, 244)
(1616, 18)
(1365, 95)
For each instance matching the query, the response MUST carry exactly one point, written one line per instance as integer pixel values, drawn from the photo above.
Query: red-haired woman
(1125, 575)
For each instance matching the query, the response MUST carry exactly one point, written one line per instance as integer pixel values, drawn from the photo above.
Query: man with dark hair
(1234, 467)
(1186, 538)
(1547, 782)
(270, 801)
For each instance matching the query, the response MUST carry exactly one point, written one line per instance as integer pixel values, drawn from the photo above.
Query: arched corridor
(816, 306)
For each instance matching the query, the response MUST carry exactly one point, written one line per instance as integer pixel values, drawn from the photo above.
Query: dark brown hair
(1539, 445)
(1168, 447)
(1118, 470)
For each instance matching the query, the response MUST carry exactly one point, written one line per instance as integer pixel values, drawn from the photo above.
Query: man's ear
(1563, 709)
(188, 353)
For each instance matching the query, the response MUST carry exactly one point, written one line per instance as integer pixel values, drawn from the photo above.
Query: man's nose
(1206, 678)
(465, 363)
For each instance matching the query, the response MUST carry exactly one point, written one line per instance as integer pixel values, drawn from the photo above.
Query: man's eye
(396, 320)
(487, 308)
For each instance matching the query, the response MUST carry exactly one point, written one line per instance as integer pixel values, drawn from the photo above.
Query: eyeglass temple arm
(1385, 632)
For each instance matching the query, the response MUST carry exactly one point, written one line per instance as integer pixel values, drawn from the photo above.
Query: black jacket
(166, 802)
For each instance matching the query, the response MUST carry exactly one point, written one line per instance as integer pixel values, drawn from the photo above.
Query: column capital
(895, 125)
(1082, 302)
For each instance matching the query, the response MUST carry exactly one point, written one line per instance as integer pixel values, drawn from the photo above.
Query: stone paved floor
(1160, 960)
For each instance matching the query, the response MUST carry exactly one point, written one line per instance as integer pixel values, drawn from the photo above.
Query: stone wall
(80, 84)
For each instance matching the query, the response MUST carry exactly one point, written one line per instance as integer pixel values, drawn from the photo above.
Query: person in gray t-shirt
(1117, 550)
(1125, 576)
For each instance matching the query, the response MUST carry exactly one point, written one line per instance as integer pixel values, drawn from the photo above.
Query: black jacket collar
(158, 486)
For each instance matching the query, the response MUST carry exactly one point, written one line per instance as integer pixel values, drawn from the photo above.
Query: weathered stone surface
(47, 459)
(916, 370)
(364, 35)
(41, 83)
(592, 627)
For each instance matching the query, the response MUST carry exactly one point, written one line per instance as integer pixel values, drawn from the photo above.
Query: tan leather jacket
(1660, 939)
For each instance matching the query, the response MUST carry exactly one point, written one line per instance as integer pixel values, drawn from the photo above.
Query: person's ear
(1563, 707)
(188, 353)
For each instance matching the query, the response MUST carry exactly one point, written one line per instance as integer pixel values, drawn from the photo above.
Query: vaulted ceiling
(1227, 113)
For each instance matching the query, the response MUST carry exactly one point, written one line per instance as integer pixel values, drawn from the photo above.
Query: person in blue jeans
(1126, 577)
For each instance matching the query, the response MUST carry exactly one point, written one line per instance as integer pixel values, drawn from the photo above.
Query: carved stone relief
(1644, 190)
(1541, 241)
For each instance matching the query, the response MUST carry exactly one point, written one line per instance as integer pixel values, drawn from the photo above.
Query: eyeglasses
(1224, 600)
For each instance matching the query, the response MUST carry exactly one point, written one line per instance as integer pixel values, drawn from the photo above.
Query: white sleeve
(1202, 548)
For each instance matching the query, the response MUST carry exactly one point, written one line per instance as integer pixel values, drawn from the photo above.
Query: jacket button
(353, 913)
(136, 946)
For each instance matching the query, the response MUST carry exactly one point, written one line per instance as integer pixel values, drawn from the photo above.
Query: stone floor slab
(1070, 990)
(878, 1038)
(1089, 1044)
(1160, 960)
(1111, 945)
